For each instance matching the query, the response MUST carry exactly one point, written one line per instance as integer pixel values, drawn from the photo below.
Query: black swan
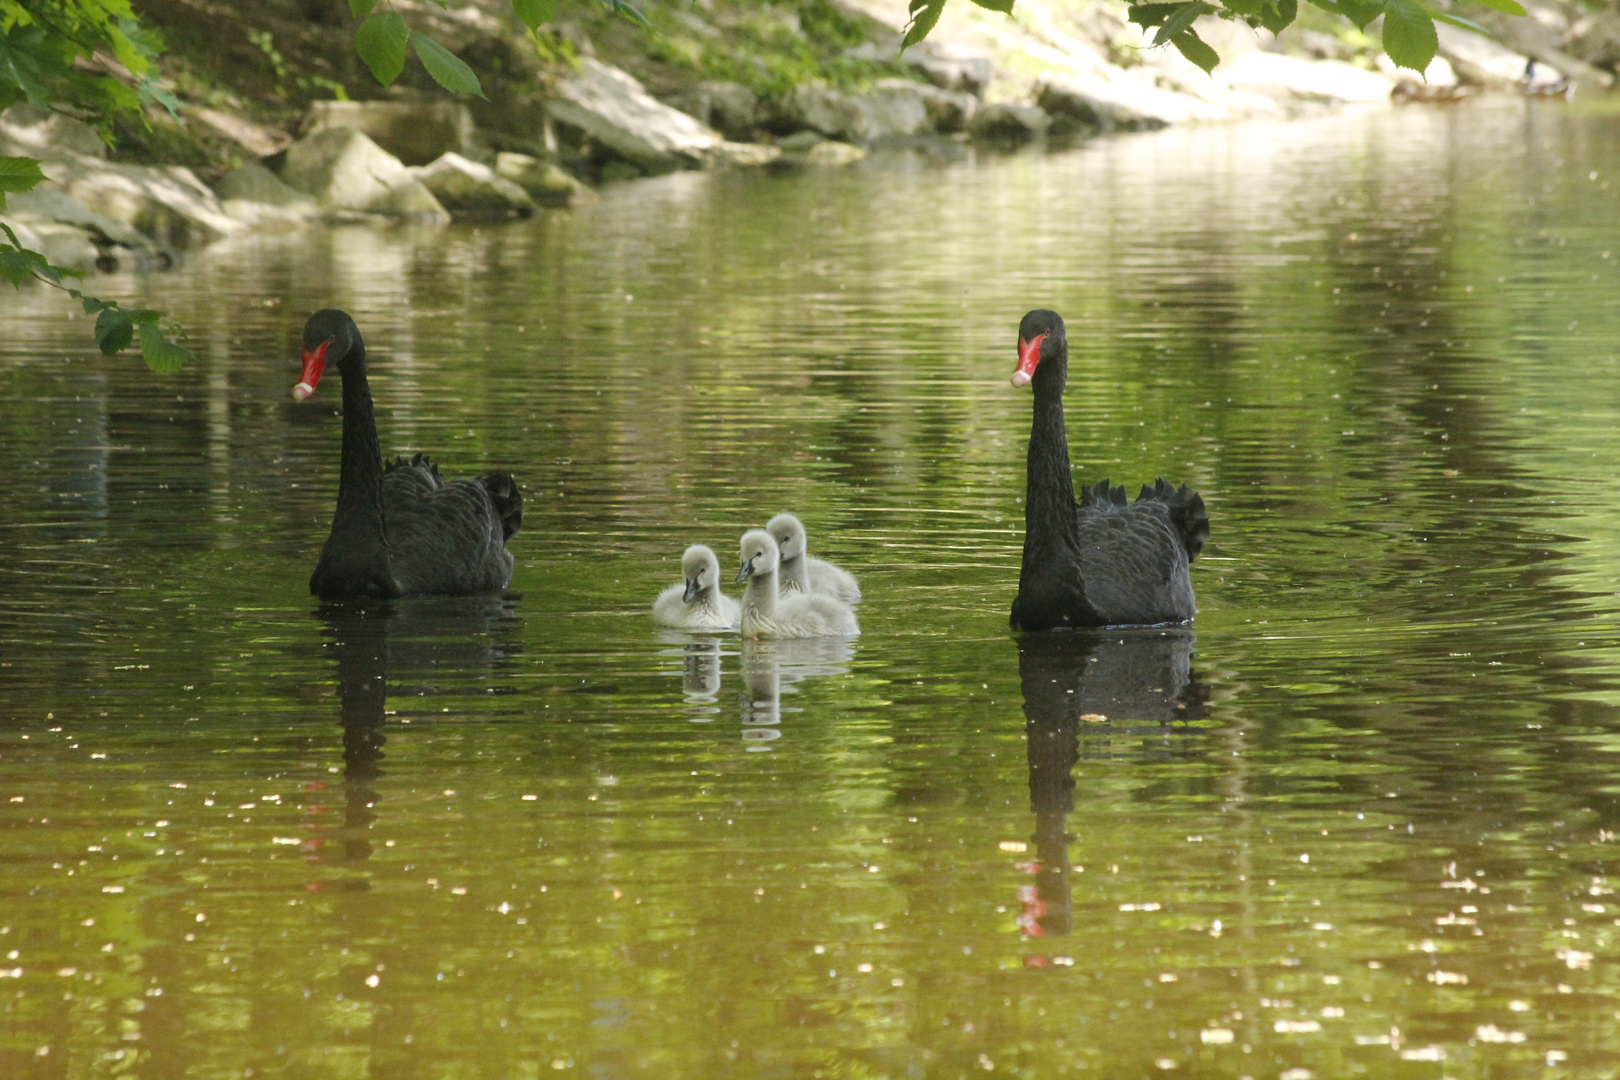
(1103, 562)
(400, 529)
(801, 571)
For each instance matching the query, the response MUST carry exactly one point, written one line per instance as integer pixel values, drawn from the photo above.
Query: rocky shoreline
(549, 132)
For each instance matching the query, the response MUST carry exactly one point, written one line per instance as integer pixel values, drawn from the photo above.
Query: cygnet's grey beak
(692, 590)
(746, 572)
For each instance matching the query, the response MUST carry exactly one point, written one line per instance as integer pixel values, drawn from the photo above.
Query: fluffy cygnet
(797, 615)
(801, 572)
(698, 604)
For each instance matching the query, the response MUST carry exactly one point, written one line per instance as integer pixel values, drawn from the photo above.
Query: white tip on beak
(1019, 379)
(302, 391)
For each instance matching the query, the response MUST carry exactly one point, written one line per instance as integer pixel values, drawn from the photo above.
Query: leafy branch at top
(64, 52)
(1409, 34)
(384, 41)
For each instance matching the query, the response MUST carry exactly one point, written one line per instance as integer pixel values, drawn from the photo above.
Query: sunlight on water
(1356, 821)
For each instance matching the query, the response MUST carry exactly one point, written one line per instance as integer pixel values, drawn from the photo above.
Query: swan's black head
(330, 336)
(1042, 347)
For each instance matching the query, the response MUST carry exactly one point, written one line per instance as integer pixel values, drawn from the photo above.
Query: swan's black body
(1103, 561)
(401, 529)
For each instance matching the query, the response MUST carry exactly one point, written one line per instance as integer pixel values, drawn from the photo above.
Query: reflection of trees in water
(1126, 681)
(427, 644)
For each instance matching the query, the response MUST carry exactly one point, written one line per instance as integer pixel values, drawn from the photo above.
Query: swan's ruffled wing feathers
(1133, 559)
(1102, 494)
(1186, 513)
(443, 537)
(508, 500)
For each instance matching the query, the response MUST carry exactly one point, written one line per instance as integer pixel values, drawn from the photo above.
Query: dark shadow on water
(1097, 683)
(428, 646)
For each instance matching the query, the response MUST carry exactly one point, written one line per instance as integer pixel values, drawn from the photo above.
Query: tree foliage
(46, 49)
(1409, 34)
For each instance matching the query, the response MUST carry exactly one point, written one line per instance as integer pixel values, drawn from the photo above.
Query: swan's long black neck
(355, 561)
(359, 505)
(1049, 507)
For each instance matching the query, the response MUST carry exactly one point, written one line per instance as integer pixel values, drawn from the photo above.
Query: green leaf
(1003, 6)
(92, 306)
(150, 91)
(1458, 20)
(1279, 16)
(623, 9)
(924, 15)
(1506, 7)
(535, 13)
(18, 174)
(1360, 12)
(381, 41)
(1409, 35)
(17, 264)
(1180, 20)
(162, 355)
(1150, 15)
(1190, 45)
(445, 66)
(114, 331)
(361, 8)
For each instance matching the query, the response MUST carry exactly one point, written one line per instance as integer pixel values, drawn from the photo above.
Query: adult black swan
(400, 529)
(1103, 562)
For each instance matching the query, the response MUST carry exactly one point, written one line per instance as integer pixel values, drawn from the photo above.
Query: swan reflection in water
(428, 646)
(769, 670)
(1100, 683)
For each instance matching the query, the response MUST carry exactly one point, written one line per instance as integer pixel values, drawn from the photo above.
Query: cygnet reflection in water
(700, 656)
(1088, 681)
(697, 603)
(424, 640)
(802, 572)
(766, 613)
(770, 668)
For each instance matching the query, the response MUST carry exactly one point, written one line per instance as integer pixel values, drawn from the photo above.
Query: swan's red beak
(1029, 354)
(314, 365)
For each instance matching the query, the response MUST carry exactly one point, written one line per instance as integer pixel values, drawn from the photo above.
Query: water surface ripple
(1356, 821)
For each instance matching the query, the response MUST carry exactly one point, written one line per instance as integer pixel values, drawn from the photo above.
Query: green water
(1357, 820)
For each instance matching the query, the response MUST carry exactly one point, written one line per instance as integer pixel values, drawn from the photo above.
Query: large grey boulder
(166, 203)
(949, 111)
(70, 234)
(345, 170)
(892, 109)
(1010, 122)
(416, 132)
(1077, 105)
(953, 67)
(1331, 82)
(807, 148)
(546, 184)
(743, 155)
(256, 197)
(949, 66)
(730, 108)
(30, 131)
(466, 187)
(611, 107)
